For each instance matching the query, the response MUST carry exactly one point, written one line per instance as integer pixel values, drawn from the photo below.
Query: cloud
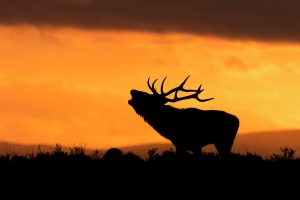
(252, 19)
(234, 62)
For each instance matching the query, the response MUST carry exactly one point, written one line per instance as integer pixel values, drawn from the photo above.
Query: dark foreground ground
(118, 173)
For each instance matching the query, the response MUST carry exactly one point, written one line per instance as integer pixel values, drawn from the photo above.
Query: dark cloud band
(250, 19)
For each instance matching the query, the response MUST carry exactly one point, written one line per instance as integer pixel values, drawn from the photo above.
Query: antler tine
(203, 100)
(148, 82)
(193, 96)
(198, 90)
(182, 84)
(180, 87)
(176, 90)
(152, 87)
(162, 86)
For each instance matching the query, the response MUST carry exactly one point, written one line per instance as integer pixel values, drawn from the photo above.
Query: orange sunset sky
(67, 66)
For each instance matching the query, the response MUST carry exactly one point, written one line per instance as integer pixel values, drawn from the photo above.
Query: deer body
(188, 129)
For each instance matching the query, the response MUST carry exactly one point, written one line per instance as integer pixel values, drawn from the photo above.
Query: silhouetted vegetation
(116, 156)
(118, 169)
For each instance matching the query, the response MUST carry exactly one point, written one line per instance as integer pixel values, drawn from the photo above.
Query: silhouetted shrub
(152, 154)
(96, 155)
(113, 154)
(77, 151)
(286, 154)
(254, 156)
(132, 158)
(169, 155)
(58, 153)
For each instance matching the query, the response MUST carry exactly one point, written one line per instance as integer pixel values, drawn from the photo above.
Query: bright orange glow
(71, 86)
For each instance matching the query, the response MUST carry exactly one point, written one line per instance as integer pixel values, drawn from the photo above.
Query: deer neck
(157, 116)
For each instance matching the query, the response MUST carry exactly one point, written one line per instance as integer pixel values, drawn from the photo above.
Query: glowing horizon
(71, 86)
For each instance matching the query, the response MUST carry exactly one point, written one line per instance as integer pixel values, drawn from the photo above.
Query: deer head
(142, 100)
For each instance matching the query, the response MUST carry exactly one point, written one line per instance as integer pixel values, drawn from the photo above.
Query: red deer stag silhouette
(188, 129)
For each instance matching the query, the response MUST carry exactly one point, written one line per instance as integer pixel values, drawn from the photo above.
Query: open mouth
(130, 101)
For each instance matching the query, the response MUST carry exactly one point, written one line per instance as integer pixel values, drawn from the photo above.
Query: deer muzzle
(131, 100)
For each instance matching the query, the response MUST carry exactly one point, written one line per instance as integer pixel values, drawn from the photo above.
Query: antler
(179, 88)
(152, 87)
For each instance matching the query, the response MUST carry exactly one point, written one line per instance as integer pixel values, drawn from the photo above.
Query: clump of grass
(286, 154)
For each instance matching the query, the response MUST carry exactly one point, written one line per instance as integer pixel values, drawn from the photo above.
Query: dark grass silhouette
(170, 160)
(159, 172)
(188, 129)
